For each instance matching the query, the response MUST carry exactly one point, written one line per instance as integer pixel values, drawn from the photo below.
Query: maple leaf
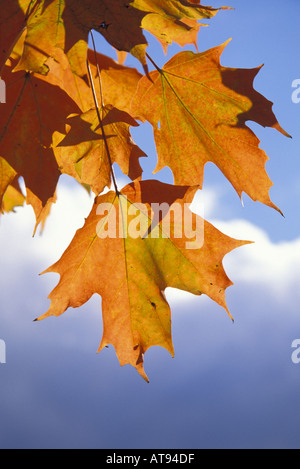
(49, 125)
(186, 31)
(119, 83)
(13, 18)
(174, 20)
(83, 153)
(41, 211)
(12, 198)
(7, 176)
(45, 34)
(130, 270)
(58, 73)
(176, 9)
(66, 25)
(61, 74)
(198, 110)
(34, 110)
(11, 195)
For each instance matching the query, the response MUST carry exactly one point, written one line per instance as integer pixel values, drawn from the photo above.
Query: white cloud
(276, 266)
(67, 215)
(205, 202)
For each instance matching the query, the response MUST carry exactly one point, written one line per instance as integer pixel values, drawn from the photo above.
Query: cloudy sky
(229, 385)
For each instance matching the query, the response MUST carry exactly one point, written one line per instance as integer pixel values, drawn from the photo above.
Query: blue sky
(229, 386)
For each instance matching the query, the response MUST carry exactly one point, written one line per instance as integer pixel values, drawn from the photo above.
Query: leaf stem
(153, 63)
(102, 129)
(98, 69)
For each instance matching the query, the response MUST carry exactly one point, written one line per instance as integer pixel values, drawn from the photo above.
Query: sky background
(229, 386)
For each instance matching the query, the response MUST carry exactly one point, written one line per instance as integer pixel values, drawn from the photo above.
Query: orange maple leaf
(174, 20)
(67, 24)
(119, 83)
(7, 175)
(198, 110)
(13, 19)
(131, 269)
(12, 198)
(132, 246)
(34, 110)
(83, 154)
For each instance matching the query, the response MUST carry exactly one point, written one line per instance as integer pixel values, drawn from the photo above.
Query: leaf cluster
(69, 110)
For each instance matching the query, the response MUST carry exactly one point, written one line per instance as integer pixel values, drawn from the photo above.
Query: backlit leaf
(130, 270)
(69, 110)
(34, 110)
(13, 18)
(13, 197)
(82, 153)
(119, 83)
(7, 176)
(66, 24)
(198, 110)
(174, 20)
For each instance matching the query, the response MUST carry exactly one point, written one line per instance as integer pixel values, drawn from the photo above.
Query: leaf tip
(227, 42)
(230, 316)
(47, 271)
(278, 210)
(143, 375)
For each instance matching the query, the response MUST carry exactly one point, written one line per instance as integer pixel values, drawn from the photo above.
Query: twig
(102, 129)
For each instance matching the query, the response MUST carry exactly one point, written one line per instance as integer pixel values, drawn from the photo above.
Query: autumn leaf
(61, 74)
(69, 110)
(119, 83)
(46, 33)
(66, 25)
(185, 32)
(41, 211)
(174, 20)
(131, 264)
(34, 110)
(7, 176)
(13, 19)
(13, 197)
(198, 110)
(83, 154)
(176, 9)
